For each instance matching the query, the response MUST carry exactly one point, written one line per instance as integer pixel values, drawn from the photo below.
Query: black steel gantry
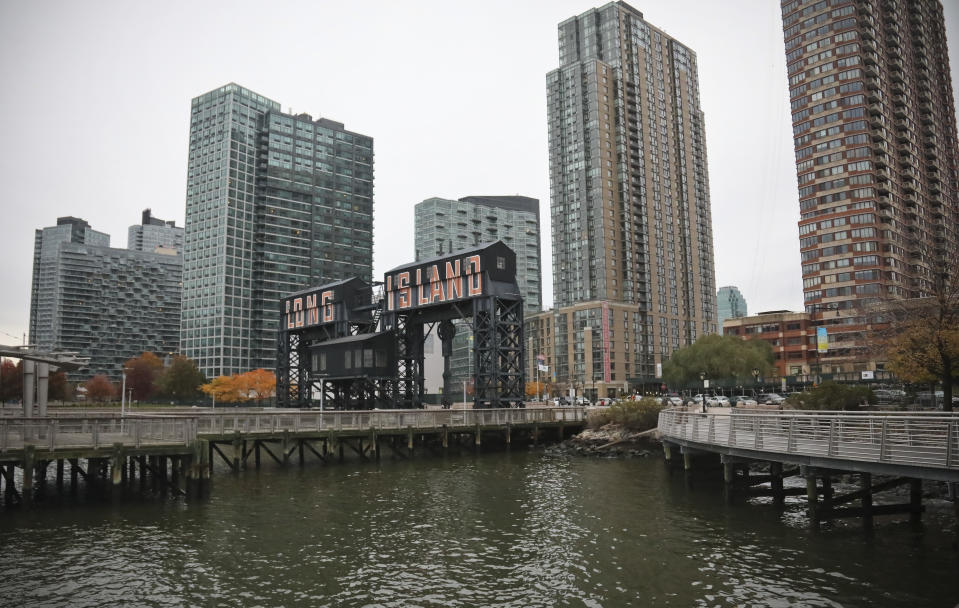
(340, 347)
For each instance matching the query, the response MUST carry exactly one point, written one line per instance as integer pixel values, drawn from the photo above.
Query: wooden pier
(175, 454)
(899, 449)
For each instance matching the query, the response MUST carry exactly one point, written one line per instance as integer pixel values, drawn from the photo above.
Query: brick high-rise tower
(875, 137)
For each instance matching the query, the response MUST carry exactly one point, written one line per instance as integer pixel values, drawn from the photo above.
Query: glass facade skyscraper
(730, 303)
(442, 225)
(152, 232)
(104, 303)
(275, 203)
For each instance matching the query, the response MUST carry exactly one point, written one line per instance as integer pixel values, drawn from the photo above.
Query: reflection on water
(520, 529)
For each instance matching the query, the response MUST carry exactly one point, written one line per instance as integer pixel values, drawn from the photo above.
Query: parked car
(720, 400)
(560, 401)
(583, 401)
(604, 401)
(739, 400)
(696, 400)
(771, 399)
(672, 400)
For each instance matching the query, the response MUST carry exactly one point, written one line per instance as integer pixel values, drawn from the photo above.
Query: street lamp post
(702, 376)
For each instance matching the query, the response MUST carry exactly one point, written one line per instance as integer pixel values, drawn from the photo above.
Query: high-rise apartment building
(629, 192)
(730, 303)
(444, 225)
(153, 232)
(275, 202)
(104, 303)
(43, 289)
(875, 138)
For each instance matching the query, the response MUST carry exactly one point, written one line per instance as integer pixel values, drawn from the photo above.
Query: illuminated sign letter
(403, 287)
(327, 301)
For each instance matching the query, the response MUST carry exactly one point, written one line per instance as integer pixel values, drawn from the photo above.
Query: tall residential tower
(875, 138)
(631, 223)
(275, 202)
(443, 225)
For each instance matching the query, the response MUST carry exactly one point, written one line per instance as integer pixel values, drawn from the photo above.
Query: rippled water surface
(512, 530)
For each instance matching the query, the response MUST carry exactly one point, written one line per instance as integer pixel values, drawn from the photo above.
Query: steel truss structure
(311, 371)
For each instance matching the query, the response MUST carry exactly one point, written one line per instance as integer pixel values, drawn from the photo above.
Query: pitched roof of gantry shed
(453, 254)
(326, 286)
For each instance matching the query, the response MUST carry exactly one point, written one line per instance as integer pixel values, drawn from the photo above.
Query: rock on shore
(609, 441)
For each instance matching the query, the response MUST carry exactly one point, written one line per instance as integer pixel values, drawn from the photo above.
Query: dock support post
(237, 451)
(535, 434)
(10, 491)
(687, 461)
(812, 497)
(300, 448)
(116, 470)
(256, 453)
(776, 483)
(74, 474)
(729, 479)
(409, 440)
(446, 438)
(509, 435)
(915, 501)
(29, 463)
(142, 462)
(478, 437)
(865, 485)
(59, 475)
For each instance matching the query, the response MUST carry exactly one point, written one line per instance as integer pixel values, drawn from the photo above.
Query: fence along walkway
(924, 446)
(138, 430)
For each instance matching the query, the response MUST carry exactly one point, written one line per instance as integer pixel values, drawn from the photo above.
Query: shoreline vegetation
(626, 429)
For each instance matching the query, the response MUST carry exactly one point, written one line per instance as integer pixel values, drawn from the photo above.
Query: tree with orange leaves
(99, 388)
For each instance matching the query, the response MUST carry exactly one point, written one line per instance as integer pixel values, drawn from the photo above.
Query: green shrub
(597, 418)
(639, 415)
(832, 396)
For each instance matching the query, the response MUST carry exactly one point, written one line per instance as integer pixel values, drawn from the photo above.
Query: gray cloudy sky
(96, 97)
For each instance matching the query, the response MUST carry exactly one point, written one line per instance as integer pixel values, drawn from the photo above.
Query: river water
(520, 529)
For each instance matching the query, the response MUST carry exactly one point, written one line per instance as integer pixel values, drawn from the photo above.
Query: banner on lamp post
(822, 340)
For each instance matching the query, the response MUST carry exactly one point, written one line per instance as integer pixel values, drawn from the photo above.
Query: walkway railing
(381, 420)
(912, 440)
(96, 432)
(68, 433)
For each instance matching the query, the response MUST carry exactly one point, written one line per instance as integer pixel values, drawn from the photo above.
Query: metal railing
(135, 431)
(913, 440)
(380, 420)
(79, 433)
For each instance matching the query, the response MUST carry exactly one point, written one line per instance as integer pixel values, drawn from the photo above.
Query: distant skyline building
(629, 200)
(105, 303)
(444, 225)
(43, 289)
(275, 203)
(730, 303)
(875, 139)
(153, 232)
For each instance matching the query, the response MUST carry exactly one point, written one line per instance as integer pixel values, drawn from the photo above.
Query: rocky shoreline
(610, 441)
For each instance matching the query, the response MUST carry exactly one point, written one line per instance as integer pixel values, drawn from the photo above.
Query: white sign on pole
(705, 383)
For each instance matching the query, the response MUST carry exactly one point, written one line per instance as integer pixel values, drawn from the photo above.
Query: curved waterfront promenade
(904, 448)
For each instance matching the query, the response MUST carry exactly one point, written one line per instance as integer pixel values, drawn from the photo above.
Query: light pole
(123, 392)
(702, 376)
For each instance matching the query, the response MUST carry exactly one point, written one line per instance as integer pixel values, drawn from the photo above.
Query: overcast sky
(95, 110)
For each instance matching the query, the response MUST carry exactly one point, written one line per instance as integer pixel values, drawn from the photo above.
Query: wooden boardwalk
(904, 447)
(176, 452)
